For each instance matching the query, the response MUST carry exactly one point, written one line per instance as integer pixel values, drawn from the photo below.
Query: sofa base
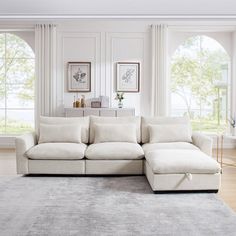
(114, 167)
(88, 167)
(179, 182)
(56, 166)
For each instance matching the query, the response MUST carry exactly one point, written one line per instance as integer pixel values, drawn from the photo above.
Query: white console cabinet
(88, 111)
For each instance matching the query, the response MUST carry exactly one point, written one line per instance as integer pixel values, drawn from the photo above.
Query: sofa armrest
(203, 142)
(24, 143)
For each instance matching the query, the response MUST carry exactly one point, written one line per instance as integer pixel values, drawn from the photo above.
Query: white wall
(176, 38)
(28, 36)
(104, 44)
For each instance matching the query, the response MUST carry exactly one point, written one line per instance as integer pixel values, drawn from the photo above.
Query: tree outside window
(200, 83)
(17, 75)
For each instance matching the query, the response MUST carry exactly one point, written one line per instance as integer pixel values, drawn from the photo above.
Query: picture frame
(128, 77)
(79, 76)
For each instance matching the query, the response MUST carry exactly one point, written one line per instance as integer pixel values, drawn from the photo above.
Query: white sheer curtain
(45, 59)
(159, 98)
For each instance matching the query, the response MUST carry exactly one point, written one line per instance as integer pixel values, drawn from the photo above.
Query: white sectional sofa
(162, 148)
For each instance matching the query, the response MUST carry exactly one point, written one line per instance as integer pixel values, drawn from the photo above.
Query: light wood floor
(228, 186)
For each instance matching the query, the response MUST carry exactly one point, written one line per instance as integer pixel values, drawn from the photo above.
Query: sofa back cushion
(169, 133)
(115, 133)
(83, 122)
(65, 133)
(147, 121)
(96, 120)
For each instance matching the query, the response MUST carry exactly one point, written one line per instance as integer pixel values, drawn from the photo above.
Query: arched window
(200, 83)
(17, 71)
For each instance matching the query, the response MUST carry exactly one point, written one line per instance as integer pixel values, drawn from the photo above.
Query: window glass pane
(19, 121)
(17, 48)
(2, 83)
(20, 96)
(200, 83)
(17, 70)
(20, 71)
(2, 70)
(2, 121)
(2, 95)
(2, 45)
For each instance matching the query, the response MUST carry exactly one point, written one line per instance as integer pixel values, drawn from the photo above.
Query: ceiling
(117, 8)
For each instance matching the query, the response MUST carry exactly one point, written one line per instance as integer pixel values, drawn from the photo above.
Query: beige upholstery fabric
(114, 151)
(57, 151)
(181, 161)
(23, 143)
(65, 133)
(61, 167)
(169, 133)
(81, 121)
(174, 182)
(146, 121)
(204, 142)
(114, 120)
(115, 133)
(114, 167)
(148, 147)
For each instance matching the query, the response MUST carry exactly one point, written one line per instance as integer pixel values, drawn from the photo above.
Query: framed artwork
(128, 77)
(79, 76)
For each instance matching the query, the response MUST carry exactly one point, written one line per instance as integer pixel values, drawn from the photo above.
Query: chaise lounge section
(176, 159)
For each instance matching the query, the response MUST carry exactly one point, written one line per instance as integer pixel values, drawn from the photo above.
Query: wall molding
(103, 74)
(111, 62)
(96, 62)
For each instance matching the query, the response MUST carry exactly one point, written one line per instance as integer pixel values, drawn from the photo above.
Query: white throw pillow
(115, 133)
(120, 120)
(68, 133)
(81, 121)
(170, 133)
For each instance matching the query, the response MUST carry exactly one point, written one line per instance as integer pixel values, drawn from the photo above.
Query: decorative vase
(120, 104)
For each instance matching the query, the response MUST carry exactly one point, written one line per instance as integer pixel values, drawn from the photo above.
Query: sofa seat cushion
(57, 151)
(181, 161)
(114, 151)
(148, 147)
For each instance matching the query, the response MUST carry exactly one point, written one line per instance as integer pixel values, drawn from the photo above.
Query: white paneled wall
(104, 44)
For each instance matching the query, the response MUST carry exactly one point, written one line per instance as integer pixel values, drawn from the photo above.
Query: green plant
(119, 96)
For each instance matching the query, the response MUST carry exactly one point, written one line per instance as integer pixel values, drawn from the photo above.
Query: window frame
(5, 109)
(190, 31)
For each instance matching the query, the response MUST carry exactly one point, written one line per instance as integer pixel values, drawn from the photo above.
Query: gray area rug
(63, 206)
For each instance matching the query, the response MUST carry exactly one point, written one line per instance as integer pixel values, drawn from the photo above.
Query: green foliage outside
(16, 84)
(197, 77)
